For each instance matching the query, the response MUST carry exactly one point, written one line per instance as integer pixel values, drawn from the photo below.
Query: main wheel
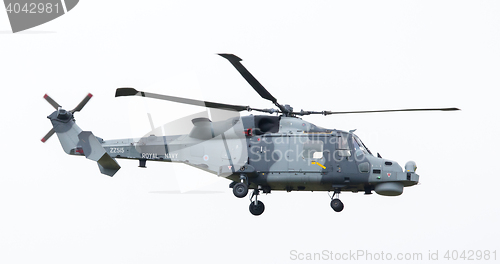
(256, 209)
(336, 205)
(240, 190)
(231, 185)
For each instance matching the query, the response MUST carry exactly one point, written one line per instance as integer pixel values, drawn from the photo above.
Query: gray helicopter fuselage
(273, 153)
(302, 156)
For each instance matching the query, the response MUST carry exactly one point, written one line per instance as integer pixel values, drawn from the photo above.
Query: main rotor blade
(235, 61)
(134, 92)
(51, 101)
(48, 135)
(85, 100)
(383, 111)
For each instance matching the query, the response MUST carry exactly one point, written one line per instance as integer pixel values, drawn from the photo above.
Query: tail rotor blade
(85, 100)
(48, 135)
(51, 101)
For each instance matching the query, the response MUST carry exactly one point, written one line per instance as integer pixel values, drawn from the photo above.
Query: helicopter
(275, 151)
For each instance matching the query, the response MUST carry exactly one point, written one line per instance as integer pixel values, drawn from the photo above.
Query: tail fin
(93, 150)
(74, 141)
(66, 129)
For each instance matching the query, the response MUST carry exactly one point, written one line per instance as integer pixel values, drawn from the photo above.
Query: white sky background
(315, 55)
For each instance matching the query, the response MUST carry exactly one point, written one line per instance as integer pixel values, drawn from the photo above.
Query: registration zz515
(116, 150)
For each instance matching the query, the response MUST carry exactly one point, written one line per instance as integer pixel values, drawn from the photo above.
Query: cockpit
(359, 147)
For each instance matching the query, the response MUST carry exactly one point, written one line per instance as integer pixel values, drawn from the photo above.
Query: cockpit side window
(358, 144)
(358, 149)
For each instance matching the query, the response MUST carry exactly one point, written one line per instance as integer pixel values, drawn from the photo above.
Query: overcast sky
(313, 55)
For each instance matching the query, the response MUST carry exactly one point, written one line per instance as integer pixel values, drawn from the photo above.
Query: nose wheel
(256, 209)
(336, 204)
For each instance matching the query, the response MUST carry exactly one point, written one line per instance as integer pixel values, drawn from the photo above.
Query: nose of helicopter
(390, 178)
(411, 176)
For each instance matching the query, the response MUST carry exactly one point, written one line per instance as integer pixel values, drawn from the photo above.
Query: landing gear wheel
(257, 209)
(336, 205)
(240, 190)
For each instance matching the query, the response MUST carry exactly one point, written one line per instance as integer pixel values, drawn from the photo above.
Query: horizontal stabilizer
(108, 165)
(93, 150)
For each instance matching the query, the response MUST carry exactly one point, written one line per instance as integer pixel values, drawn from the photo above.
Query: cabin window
(313, 150)
(343, 147)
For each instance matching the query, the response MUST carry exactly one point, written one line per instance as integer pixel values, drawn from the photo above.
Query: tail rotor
(61, 111)
(51, 101)
(48, 135)
(79, 107)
